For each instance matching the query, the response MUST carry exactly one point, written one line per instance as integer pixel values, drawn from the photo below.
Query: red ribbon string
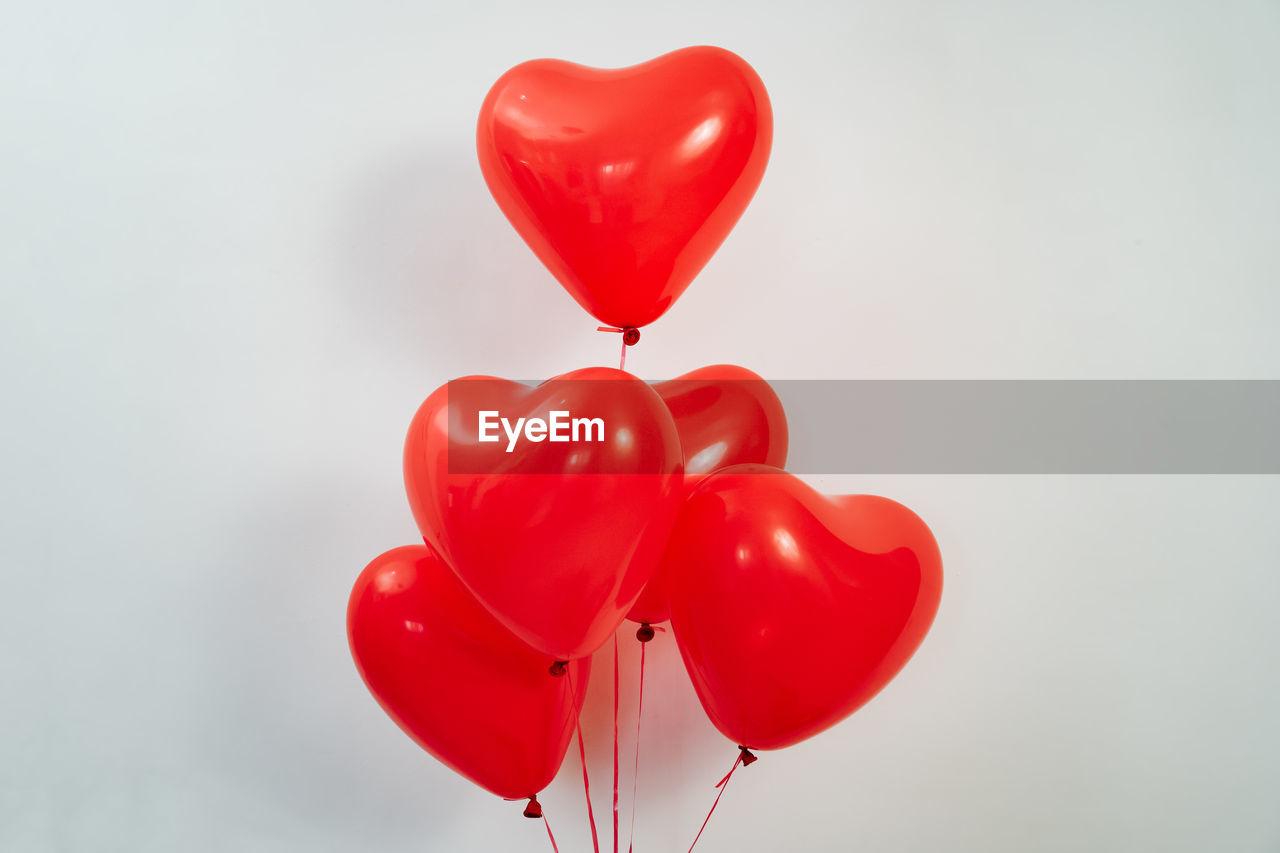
(615, 740)
(635, 780)
(586, 781)
(555, 847)
(744, 758)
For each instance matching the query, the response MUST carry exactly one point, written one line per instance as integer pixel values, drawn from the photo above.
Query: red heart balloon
(625, 181)
(556, 539)
(726, 415)
(794, 608)
(456, 681)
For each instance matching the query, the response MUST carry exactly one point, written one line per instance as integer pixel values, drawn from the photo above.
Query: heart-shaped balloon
(557, 538)
(726, 415)
(793, 608)
(457, 682)
(625, 181)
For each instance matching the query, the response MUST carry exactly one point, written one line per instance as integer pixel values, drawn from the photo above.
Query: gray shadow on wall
(294, 731)
(428, 278)
(430, 266)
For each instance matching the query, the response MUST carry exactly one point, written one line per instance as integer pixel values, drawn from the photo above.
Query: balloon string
(555, 847)
(635, 779)
(586, 781)
(744, 757)
(615, 731)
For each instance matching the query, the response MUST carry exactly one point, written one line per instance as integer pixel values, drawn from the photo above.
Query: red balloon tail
(635, 778)
(534, 808)
(586, 780)
(744, 758)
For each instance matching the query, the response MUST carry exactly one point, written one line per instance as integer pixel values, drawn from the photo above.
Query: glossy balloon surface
(794, 608)
(457, 682)
(625, 181)
(557, 540)
(726, 415)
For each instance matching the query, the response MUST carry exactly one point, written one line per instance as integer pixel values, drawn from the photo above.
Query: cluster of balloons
(791, 609)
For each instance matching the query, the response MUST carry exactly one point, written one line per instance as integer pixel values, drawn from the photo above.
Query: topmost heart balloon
(625, 181)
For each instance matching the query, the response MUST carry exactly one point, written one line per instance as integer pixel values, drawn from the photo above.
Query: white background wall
(240, 242)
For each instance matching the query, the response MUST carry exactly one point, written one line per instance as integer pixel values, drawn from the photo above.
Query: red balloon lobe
(726, 415)
(793, 608)
(625, 181)
(457, 682)
(556, 539)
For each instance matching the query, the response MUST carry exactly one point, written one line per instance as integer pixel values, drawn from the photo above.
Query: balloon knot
(559, 668)
(630, 334)
(534, 808)
(645, 632)
(747, 756)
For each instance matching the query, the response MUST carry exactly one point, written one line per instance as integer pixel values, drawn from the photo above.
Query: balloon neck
(559, 668)
(747, 756)
(645, 632)
(534, 808)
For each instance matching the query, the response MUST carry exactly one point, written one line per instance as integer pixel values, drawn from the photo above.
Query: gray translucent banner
(1032, 426)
